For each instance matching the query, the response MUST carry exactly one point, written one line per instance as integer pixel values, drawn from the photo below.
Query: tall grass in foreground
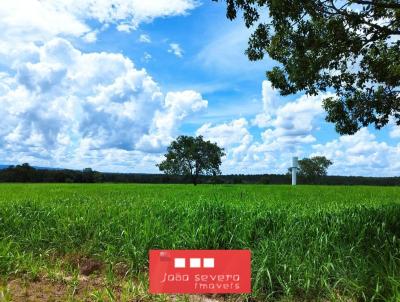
(307, 242)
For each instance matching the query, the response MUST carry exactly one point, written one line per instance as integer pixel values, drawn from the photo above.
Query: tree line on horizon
(27, 174)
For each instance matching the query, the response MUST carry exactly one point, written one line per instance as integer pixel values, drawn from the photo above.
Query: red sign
(200, 271)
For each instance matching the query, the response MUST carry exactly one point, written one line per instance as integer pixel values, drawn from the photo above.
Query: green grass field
(308, 242)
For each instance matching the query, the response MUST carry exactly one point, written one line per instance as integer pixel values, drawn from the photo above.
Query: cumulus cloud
(244, 153)
(176, 49)
(64, 104)
(290, 129)
(295, 122)
(132, 13)
(177, 106)
(269, 100)
(360, 154)
(38, 20)
(289, 125)
(233, 136)
(227, 134)
(64, 107)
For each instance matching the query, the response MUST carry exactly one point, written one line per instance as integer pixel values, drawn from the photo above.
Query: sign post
(295, 166)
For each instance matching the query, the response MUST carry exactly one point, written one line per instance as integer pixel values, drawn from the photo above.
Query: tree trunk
(195, 177)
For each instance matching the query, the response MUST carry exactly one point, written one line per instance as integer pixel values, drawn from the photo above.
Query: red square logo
(200, 271)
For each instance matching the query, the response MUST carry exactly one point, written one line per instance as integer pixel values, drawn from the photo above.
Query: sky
(108, 84)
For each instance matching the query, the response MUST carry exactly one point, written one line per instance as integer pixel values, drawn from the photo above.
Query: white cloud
(361, 154)
(127, 28)
(290, 129)
(227, 134)
(132, 13)
(175, 49)
(178, 106)
(28, 21)
(91, 36)
(63, 105)
(395, 131)
(269, 100)
(294, 122)
(236, 139)
(147, 57)
(288, 125)
(37, 20)
(144, 38)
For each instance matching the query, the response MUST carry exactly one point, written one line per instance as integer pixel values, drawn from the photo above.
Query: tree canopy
(350, 46)
(314, 167)
(192, 156)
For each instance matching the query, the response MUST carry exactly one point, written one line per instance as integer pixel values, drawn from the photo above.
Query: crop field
(91, 242)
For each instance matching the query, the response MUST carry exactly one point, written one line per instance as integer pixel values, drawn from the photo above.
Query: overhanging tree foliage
(192, 156)
(351, 46)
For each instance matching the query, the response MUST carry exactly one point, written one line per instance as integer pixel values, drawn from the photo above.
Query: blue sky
(109, 84)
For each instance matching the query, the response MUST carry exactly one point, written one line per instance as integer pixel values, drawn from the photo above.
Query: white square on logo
(208, 262)
(195, 262)
(180, 263)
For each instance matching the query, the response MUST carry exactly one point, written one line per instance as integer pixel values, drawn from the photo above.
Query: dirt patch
(88, 266)
(85, 265)
(79, 288)
(83, 288)
(43, 290)
(121, 269)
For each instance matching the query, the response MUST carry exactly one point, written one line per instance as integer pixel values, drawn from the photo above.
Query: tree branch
(378, 4)
(343, 12)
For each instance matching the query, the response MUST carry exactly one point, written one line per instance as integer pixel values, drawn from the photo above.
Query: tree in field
(192, 156)
(24, 172)
(89, 175)
(314, 167)
(350, 46)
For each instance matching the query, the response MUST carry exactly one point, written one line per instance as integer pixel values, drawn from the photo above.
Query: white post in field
(295, 166)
